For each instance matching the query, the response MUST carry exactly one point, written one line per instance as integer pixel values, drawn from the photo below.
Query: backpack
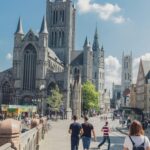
(140, 147)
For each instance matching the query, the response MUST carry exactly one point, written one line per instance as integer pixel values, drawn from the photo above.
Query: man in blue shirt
(75, 130)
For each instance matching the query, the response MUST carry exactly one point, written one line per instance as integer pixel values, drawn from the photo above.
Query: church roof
(77, 58)
(53, 55)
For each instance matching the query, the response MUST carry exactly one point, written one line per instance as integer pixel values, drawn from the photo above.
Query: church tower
(126, 79)
(60, 15)
(98, 64)
(87, 61)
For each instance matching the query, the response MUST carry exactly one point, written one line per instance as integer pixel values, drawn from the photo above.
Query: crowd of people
(135, 140)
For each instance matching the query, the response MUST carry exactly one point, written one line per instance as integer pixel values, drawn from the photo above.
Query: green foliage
(90, 96)
(55, 99)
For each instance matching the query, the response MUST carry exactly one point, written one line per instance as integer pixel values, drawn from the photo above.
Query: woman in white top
(136, 137)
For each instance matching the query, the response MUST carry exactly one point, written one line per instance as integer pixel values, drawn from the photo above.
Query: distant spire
(95, 42)
(102, 48)
(86, 42)
(44, 26)
(19, 27)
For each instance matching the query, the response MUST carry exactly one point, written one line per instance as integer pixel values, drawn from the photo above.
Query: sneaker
(98, 147)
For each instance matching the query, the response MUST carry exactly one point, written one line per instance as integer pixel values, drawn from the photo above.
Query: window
(29, 72)
(6, 93)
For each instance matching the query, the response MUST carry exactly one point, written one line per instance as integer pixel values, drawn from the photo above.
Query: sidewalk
(59, 138)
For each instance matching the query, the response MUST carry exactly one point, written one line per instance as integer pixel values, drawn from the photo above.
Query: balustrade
(29, 140)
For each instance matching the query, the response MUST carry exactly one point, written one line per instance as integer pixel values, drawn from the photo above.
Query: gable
(140, 75)
(30, 36)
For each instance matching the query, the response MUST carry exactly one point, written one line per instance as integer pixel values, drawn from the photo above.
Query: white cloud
(106, 11)
(112, 71)
(9, 56)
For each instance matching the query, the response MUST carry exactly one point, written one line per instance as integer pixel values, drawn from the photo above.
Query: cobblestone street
(58, 137)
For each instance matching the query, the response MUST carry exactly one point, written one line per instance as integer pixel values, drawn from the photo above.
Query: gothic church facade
(42, 61)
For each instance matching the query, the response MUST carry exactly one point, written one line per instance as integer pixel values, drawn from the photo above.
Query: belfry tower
(61, 27)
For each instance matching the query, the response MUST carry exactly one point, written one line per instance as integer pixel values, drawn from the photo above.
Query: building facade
(132, 97)
(143, 87)
(42, 61)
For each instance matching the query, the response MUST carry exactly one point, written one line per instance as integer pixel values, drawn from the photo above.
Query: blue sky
(123, 25)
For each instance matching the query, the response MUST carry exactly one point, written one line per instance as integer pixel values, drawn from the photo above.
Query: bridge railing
(14, 140)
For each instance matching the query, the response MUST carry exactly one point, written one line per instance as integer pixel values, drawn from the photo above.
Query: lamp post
(42, 88)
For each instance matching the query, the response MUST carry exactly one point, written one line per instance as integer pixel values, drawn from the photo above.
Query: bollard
(10, 133)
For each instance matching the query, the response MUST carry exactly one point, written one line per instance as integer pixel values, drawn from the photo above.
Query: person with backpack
(136, 139)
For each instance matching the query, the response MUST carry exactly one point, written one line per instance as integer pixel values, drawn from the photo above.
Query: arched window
(6, 93)
(54, 17)
(60, 39)
(63, 38)
(29, 72)
(125, 76)
(63, 16)
(55, 42)
(52, 39)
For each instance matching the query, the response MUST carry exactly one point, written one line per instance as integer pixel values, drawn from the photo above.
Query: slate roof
(53, 55)
(76, 58)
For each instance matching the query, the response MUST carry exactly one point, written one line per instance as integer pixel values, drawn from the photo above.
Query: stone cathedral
(42, 61)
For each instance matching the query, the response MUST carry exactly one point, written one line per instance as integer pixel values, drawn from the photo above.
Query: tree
(55, 99)
(89, 96)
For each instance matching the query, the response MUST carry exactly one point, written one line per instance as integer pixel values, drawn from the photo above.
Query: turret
(85, 43)
(43, 34)
(87, 60)
(19, 34)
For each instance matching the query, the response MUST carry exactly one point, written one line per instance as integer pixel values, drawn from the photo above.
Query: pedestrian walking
(136, 139)
(75, 130)
(105, 129)
(86, 136)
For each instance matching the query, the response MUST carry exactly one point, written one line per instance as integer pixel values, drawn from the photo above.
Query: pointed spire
(19, 27)
(44, 26)
(95, 42)
(96, 33)
(102, 48)
(86, 42)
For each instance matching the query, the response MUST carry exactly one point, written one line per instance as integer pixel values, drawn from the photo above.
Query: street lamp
(42, 87)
